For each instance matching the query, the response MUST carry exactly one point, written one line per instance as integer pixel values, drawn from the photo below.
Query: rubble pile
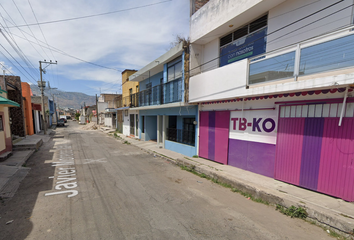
(90, 126)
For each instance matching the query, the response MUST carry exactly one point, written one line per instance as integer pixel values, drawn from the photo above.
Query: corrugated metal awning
(122, 108)
(8, 103)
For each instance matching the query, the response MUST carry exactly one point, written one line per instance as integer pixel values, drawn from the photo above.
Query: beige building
(128, 88)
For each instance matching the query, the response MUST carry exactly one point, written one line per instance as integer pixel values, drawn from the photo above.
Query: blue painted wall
(155, 80)
(184, 149)
(150, 128)
(177, 111)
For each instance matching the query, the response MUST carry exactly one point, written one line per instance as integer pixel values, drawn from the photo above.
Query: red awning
(37, 107)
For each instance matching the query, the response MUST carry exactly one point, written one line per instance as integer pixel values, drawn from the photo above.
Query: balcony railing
(169, 92)
(181, 136)
(305, 58)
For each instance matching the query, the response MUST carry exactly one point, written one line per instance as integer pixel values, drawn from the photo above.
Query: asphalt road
(103, 189)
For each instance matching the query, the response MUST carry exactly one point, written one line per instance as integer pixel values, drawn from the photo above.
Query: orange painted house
(26, 94)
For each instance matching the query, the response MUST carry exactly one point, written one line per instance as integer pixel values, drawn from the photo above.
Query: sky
(135, 35)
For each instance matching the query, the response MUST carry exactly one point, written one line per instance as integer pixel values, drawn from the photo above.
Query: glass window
(174, 69)
(327, 56)
(274, 68)
(245, 42)
(1, 124)
(171, 73)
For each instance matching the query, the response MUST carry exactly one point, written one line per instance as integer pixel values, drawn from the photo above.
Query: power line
(23, 57)
(26, 22)
(45, 39)
(13, 39)
(288, 25)
(13, 22)
(16, 66)
(64, 53)
(89, 16)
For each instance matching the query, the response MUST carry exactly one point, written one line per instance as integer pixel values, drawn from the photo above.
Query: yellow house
(128, 88)
(5, 132)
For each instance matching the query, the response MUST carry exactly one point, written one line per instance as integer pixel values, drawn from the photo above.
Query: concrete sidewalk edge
(320, 215)
(315, 213)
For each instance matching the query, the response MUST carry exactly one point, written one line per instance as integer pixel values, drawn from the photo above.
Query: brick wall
(16, 113)
(197, 4)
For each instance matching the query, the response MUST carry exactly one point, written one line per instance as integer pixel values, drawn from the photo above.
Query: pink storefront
(295, 138)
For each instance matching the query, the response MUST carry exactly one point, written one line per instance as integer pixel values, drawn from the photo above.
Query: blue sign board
(245, 47)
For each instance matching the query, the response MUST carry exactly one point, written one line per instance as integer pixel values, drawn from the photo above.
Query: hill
(66, 99)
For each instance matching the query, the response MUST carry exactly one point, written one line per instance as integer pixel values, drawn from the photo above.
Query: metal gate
(214, 135)
(313, 152)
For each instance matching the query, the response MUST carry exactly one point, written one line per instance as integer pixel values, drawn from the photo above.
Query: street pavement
(87, 185)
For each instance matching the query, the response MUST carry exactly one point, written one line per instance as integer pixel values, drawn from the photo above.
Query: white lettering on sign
(65, 181)
(255, 126)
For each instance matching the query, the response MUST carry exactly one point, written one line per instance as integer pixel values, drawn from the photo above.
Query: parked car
(64, 119)
(61, 123)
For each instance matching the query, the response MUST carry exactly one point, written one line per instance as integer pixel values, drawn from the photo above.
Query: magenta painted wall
(203, 134)
(336, 173)
(288, 150)
(252, 156)
(317, 154)
(222, 136)
(214, 135)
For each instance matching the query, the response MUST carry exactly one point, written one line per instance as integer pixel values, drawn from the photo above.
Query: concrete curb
(319, 214)
(315, 213)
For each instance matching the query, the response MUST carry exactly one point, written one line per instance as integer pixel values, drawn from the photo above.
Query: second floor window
(174, 69)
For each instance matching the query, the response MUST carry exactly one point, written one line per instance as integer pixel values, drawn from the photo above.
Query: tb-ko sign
(255, 126)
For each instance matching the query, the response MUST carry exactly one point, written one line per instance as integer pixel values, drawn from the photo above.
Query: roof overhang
(156, 66)
(122, 108)
(8, 103)
(168, 105)
(217, 18)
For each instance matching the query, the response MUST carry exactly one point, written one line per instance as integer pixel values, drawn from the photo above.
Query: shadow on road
(19, 208)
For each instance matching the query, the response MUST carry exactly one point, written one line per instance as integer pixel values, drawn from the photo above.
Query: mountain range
(66, 99)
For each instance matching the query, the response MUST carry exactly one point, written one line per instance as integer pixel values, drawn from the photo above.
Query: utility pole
(41, 85)
(55, 109)
(96, 110)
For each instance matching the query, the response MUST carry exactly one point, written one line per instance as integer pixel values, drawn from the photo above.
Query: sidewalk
(325, 210)
(12, 170)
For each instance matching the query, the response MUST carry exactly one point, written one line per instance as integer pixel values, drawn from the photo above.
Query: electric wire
(65, 54)
(20, 54)
(18, 47)
(16, 66)
(262, 38)
(17, 61)
(45, 39)
(93, 15)
(39, 26)
(7, 69)
(25, 21)
(13, 22)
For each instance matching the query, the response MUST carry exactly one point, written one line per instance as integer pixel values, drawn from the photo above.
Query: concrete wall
(110, 99)
(232, 83)
(26, 93)
(150, 128)
(184, 149)
(126, 84)
(214, 18)
(5, 135)
(222, 83)
(290, 11)
(108, 120)
(126, 121)
(213, 21)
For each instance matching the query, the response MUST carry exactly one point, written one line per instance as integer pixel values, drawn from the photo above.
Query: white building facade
(274, 82)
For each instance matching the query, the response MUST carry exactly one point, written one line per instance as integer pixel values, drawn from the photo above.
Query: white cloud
(129, 39)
